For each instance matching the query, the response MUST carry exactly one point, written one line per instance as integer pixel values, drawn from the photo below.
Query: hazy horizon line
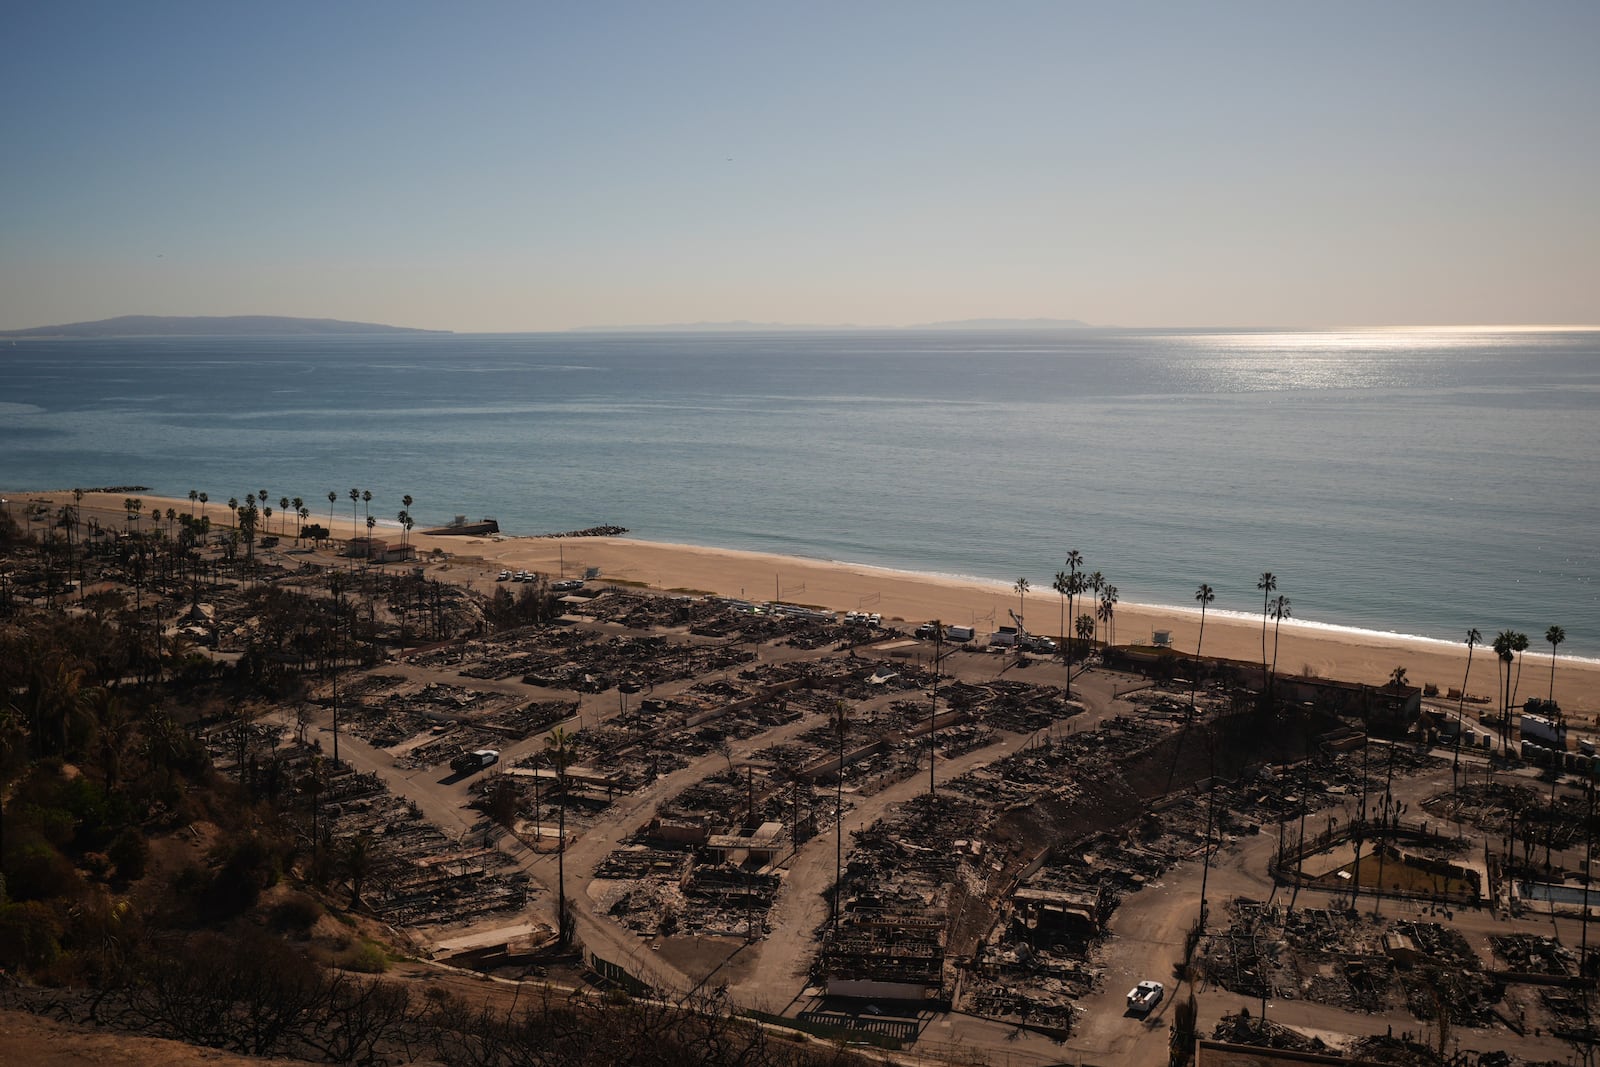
(978, 324)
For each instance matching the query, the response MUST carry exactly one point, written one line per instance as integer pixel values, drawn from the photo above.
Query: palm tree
(366, 501)
(233, 506)
(1505, 649)
(1280, 611)
(1085, 627)
(405, 502)
(1074, 587)
(1474, 639)
(1205, 596)
(1268, 584)
(247, 519)
(332, 498)
(1555, 635)
(1095, 582)
(1519, 645)
(204, 496)
(557, 744)
(1108, 610)
(261, 495)
(1021, 589)
(304, 513)
(299, 506)
(53, 703)
(1397, 677)
(358, 863)
(77, 511)
(355, 499)
(1063, 584)
(1062, 581)
(283, 515)
(13, 743)
(312, 784)
(114, 727)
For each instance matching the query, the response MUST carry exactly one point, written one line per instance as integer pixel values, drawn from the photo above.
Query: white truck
(1543, 729)
(1005, 637)
(1145, 996)
(468, 762)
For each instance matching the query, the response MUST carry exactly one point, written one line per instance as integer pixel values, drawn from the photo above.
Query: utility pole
(933, 713)
(841, 722)
(1583, 951)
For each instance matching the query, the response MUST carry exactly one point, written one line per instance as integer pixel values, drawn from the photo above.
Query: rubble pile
(413, 874)
(1350, 961)
(705, 865)
(1024, 709)
(564, 657)
(1531, 954)
(1038, 987)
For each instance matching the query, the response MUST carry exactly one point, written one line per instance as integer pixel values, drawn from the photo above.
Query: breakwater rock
(592, 531)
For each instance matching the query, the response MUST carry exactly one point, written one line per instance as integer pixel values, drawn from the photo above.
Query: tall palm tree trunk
(1461, 707)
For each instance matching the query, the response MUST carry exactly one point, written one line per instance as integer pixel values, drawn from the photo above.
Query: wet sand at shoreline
(1352, 656)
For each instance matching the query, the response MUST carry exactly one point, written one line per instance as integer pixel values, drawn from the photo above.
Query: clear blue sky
(527, 166)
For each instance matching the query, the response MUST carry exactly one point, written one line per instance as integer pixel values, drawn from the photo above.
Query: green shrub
(366, 957)
(130, 853)
(36, 870)
(30, 936)
(297, 913)
(55, 824)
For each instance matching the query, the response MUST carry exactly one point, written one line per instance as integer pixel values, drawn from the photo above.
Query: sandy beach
(915, 598)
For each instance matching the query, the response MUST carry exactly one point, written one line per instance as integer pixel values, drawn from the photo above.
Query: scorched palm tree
(1555, 635)
(1205, 596)
(1268, 584)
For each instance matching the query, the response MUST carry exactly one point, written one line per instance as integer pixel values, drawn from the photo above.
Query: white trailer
(1543, 730)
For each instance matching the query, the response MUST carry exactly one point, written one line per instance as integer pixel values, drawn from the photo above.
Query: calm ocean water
(1421, 482)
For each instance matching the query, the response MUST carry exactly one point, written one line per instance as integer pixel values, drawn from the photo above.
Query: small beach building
(378, 550)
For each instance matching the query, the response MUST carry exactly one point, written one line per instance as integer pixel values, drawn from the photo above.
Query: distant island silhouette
(755, 327)
(287, 326)
(209, 326)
